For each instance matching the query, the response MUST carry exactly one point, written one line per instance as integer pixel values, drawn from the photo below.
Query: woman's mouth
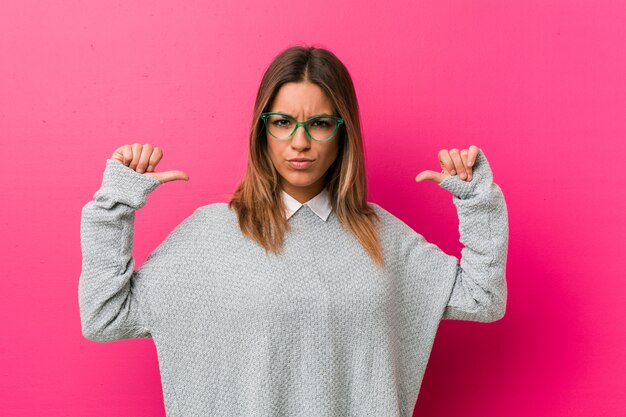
(300, 164)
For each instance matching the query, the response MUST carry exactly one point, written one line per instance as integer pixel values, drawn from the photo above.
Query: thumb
(167, 176)
(430, 176)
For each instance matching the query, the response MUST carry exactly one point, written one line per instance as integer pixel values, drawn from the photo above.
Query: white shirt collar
(320, 204)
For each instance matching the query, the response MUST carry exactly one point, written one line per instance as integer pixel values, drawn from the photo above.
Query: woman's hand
(144, 159)
(452, 162)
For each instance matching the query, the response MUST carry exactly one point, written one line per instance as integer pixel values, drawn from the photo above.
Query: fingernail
(150, 168)
(463, 176)
(140, 170)
(471, 163)
(453, 172)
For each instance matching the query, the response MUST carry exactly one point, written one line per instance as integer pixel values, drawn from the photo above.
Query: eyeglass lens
(320, 128)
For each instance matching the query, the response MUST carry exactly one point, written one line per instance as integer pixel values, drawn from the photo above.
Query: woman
(298, 297)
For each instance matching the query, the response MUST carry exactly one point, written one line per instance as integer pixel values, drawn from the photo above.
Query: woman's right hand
(144, 159)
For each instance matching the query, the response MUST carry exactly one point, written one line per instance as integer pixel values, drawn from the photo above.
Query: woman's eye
(321, 124)
(282, 122)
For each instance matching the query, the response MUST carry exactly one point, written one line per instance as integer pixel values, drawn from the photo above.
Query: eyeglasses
(319, 128)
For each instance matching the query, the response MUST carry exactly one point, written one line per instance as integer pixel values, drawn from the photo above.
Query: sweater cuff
(121, 184)
(482, 177)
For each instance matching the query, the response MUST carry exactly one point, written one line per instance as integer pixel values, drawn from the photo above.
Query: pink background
(538, 85)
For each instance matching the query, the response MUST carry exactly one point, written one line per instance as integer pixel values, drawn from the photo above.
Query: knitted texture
(318, 330)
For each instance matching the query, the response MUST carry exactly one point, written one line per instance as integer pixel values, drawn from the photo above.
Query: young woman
(298, 297)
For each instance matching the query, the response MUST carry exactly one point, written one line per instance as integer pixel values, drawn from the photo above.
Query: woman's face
(302, 100)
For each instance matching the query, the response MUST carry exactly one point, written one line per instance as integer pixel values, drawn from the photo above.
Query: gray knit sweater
(318, 330)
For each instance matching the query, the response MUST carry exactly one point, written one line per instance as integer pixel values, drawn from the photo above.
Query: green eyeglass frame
(264, 117)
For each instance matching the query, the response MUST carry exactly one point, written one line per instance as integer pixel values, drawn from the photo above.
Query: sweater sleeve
(479, 292)
(110, 305)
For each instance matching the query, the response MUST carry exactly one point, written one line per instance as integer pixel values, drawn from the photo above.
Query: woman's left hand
(452, 162)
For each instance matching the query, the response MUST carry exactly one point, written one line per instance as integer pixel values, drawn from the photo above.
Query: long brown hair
(257, 200)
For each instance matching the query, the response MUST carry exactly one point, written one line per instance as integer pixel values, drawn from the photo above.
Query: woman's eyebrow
(316, 115)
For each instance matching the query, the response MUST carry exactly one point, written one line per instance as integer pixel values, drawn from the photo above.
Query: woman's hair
(257, 201)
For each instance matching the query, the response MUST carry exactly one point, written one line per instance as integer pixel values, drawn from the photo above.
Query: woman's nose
(300, 139)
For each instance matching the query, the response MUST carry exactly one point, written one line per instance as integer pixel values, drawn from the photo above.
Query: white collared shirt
(320, 204)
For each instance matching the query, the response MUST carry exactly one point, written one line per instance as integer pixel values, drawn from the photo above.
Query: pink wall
(538, 85)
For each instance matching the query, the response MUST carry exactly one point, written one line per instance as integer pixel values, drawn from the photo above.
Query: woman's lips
(299, 164)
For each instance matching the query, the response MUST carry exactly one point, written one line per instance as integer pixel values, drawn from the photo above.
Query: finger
(473, 154)
(446, 161)
(136, 147)
(459, 166)
(123, 155)
(146, 151)
(465, 159)
(127, 153)
(118, 155)
(429, 175)
(155, 158)
(168, 176)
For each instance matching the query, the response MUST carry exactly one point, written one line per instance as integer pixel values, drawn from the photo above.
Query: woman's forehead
(302, 99)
